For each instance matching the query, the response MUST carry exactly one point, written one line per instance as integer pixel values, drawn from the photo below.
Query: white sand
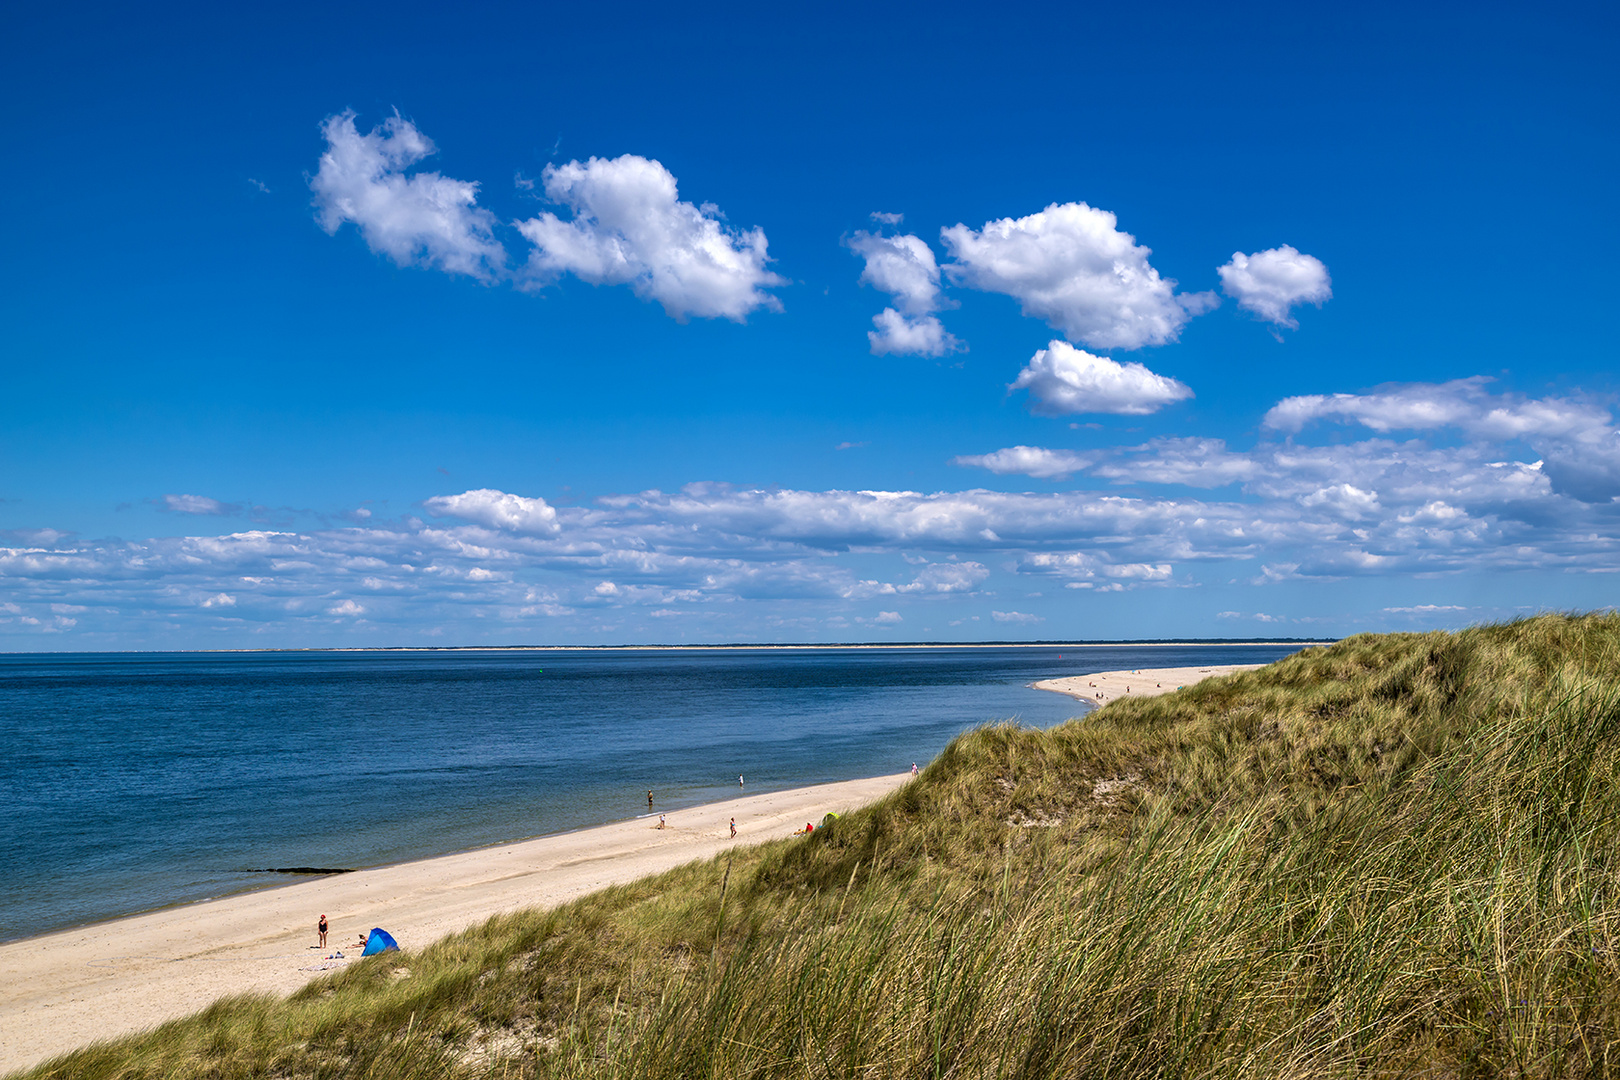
(1104, 686)
(63, 990)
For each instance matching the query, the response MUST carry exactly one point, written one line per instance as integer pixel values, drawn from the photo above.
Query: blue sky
(381, 325)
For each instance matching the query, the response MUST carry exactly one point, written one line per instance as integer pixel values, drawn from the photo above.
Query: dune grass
(1396, 856)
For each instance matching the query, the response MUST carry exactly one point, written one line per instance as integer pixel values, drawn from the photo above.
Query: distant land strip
(719, 646)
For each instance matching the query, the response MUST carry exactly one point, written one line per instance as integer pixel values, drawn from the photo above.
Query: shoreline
(65, 989)
(338, 872)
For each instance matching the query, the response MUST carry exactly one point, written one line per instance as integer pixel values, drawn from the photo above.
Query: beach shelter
(380, 941)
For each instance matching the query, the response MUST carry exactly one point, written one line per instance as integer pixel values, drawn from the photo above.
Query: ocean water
(136, 781)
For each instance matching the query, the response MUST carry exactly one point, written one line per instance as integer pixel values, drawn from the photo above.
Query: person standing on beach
(734, 828)
(913, 768)
(320, 927)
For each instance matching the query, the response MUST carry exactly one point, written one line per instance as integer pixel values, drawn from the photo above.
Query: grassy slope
(1395, 856)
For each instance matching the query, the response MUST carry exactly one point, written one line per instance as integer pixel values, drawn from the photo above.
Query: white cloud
(1270, 283)
(888, 618)
(1466, 404)
(1063, 379)
(947, 577)
(1344, 500)
(1071, 267)
(1579, 445)
(1015, 617)
(498, 510)
(1424, 609)
(423, 219)
(1088, 570)
(1033, 461)
(909, 335)
(904, 267)
(887, 219)
(346, 608)
(198, 504)
(629, 227)
(219, 600)
(1201, 463)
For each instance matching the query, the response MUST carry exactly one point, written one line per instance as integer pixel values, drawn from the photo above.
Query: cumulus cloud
(1070, 266)
(1343, 500)
(1062, 379)
(1201, 463)
(914, 335)
(1089, 570)
(423, 219)
(1273, 282)
(947, 577)
(1015, 617)
(628, 226)
(1033, 461)
(1466, 404)
(904, 267)
(1373, 507)
(199, 504)
(1578, 442)
(497, 510)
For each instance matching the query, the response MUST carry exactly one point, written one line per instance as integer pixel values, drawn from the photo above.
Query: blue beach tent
(380, 941)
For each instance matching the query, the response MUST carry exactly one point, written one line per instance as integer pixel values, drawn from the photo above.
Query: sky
(364, 325)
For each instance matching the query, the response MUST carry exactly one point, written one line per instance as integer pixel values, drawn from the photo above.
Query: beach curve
(64, 990)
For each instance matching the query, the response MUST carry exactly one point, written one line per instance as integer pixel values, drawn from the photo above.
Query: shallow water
(136, 781)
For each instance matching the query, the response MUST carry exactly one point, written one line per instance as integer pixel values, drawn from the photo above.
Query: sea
(136, 781)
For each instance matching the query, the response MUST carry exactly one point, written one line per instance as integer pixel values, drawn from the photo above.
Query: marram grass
(1398, 856)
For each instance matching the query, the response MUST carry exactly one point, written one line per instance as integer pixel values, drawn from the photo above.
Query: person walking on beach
(913, 768)
(734, 828)
(321, 929)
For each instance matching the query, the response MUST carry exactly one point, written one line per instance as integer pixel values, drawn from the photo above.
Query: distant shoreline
(1195, 643)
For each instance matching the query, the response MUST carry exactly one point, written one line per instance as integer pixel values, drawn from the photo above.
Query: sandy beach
(63, 990)
(1104, 686)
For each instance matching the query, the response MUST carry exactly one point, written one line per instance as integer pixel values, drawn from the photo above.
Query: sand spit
(1102, 687)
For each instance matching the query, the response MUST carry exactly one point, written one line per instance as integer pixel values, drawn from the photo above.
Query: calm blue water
(136, 781)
